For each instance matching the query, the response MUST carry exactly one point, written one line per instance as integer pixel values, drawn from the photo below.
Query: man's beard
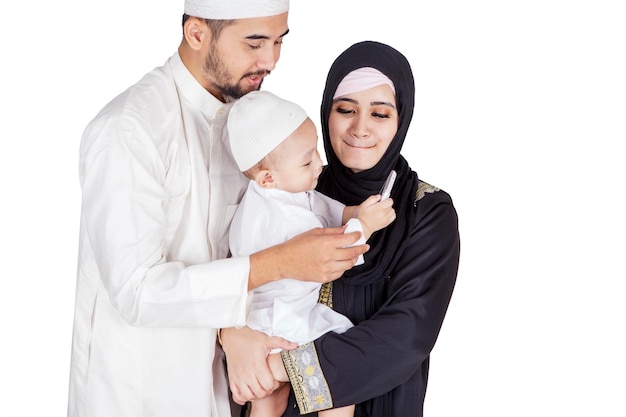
(216, 70)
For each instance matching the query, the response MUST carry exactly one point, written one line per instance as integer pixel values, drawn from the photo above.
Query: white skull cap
(235, 9)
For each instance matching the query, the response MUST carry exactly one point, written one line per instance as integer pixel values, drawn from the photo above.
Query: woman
(398, 298)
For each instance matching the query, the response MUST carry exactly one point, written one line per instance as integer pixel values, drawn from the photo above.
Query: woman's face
(362, 125)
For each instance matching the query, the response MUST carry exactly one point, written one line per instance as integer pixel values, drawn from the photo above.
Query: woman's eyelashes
(342, 110)
(376, 114)
(381, 115)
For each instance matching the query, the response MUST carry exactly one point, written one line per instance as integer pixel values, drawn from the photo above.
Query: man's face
(244, 54)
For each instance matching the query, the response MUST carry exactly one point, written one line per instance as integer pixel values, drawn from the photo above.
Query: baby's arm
(372, 213)
(274, 404)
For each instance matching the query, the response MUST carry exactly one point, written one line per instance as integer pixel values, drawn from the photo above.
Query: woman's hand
(249, 374)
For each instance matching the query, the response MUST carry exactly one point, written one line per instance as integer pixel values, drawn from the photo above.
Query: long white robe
(160, 188)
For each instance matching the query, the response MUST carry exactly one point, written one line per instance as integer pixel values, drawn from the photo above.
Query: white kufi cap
(257, 123)
(235, 9)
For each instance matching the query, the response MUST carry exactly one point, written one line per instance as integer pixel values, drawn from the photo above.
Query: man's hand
(319, 255)
(249, 375)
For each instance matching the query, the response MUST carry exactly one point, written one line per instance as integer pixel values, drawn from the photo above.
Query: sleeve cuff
(354, 225)
(307, 379)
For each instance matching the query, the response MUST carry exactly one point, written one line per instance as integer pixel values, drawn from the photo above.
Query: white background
(520, 116)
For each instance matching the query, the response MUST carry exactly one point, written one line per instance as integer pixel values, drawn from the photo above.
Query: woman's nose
(360, 128)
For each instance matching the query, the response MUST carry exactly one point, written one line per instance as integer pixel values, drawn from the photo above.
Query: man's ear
(196, 33)
(264, 178)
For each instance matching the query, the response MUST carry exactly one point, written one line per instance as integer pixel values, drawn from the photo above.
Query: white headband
(235, 9)
(362, 79)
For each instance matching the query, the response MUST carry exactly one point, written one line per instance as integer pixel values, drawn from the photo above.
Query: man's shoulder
(151, 92)
(146, 111)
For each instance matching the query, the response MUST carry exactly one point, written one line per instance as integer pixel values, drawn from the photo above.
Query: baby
(275, 145)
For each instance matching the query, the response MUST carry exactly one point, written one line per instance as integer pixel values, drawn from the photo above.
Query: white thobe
(160, 188)
(288, 307)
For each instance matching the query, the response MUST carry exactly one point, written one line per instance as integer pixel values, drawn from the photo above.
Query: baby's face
(298, 164)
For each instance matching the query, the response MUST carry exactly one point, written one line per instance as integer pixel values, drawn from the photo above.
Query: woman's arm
(381, 353)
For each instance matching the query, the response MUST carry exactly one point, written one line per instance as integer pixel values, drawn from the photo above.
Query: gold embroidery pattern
(423, 188)
(305, 373)
(326, 294)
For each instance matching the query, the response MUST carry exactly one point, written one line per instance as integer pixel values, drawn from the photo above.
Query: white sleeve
(330, 209)
(354, 225)
(333, 212)
(123, 237)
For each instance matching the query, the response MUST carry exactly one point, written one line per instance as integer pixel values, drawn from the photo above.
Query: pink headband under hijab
(362, 79)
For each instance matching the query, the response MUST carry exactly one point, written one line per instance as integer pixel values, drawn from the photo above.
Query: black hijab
(337, 181)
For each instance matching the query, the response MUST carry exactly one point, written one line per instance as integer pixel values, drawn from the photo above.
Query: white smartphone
(385, 192)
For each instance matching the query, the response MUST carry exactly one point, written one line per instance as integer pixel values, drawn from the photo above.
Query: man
(159, 190)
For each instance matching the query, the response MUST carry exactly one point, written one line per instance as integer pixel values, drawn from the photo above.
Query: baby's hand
(375, 214)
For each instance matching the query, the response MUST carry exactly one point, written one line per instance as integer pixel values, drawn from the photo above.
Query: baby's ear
(264, 179)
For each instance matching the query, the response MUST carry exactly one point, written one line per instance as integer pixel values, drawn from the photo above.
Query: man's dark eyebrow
(257, 37)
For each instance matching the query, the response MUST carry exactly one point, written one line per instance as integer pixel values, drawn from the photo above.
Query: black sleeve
(381, 353)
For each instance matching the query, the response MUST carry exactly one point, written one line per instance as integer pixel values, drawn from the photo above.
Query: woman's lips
(358, 146)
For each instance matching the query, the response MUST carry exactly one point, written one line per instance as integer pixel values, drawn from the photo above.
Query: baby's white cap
(257, 123)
